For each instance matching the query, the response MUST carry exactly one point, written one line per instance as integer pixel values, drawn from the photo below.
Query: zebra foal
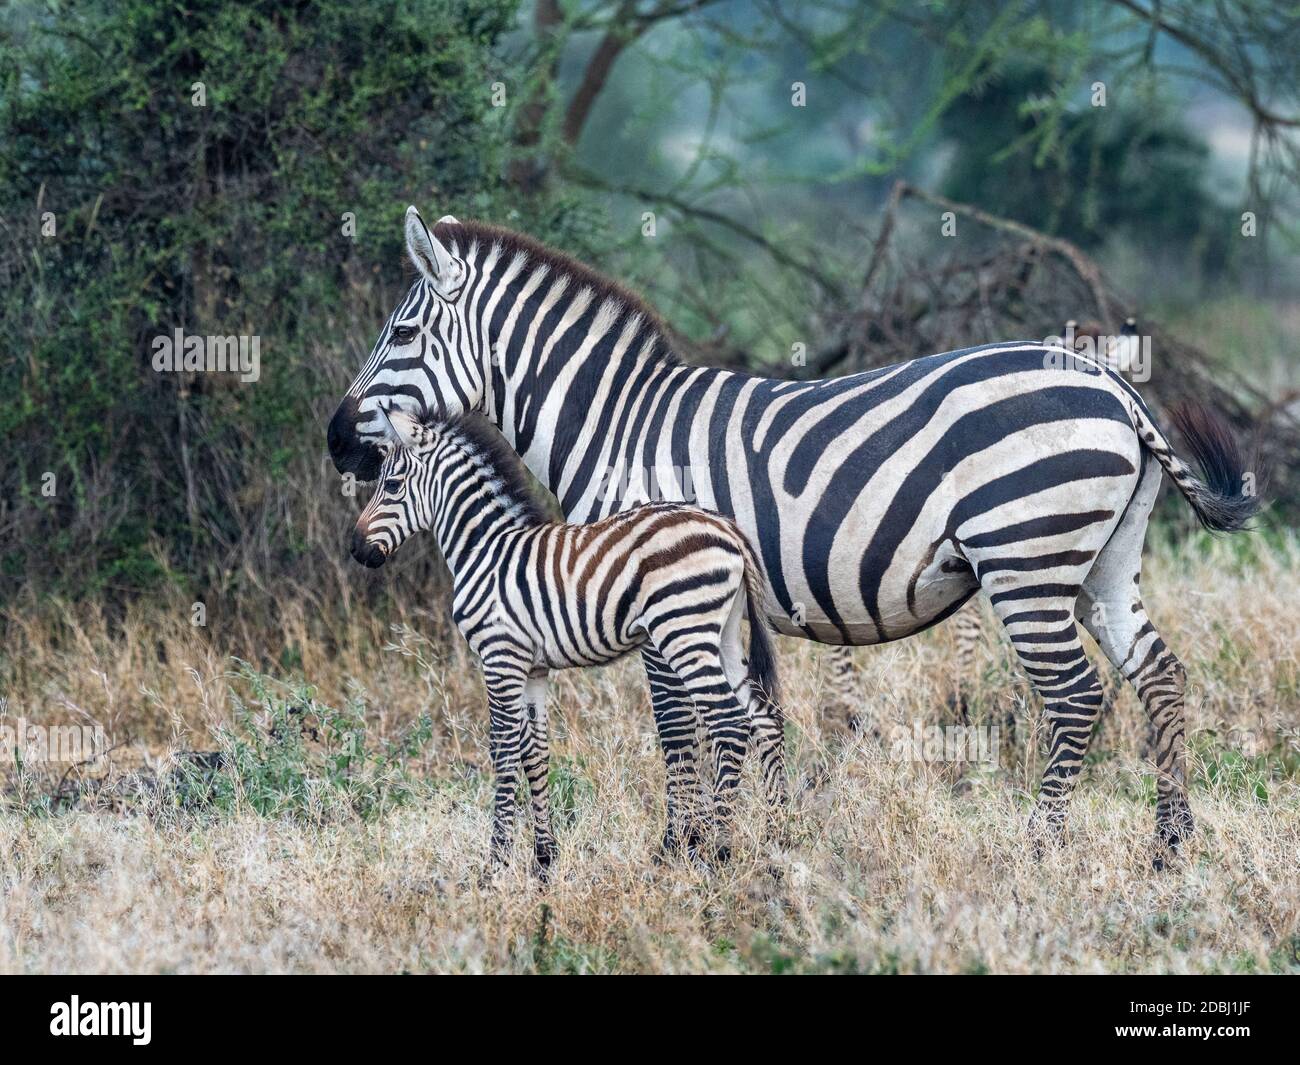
(531, 595)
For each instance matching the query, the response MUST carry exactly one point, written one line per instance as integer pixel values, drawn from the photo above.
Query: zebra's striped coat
(878, 503)
(532, 595)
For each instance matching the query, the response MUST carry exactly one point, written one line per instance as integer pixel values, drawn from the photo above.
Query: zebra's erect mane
(480, 439)
(463, 235)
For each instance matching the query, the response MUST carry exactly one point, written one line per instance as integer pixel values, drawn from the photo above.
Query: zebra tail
(1220, 498)
(762, 656)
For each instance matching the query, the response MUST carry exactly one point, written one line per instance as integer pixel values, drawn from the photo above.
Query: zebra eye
(392, 486)
(403, 334)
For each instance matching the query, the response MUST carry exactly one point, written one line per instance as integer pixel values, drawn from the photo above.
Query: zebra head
(427, 360)
(402, 503)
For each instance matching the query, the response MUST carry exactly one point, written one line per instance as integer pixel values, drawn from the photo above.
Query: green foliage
(288, 755)
(570, 790)
(223, 219)
(768, 955)
(554, 954)
(1083, 172)
(1240, 767)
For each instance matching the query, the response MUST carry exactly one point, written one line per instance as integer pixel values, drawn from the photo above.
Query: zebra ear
(405, 431)
(436, 264)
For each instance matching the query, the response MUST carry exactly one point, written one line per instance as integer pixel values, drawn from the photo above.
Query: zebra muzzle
(367, 553)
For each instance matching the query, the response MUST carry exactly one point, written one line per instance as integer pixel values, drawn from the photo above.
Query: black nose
(350, 453)
(368, 554)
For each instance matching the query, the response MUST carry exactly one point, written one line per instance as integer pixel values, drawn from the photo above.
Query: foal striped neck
(471, 458)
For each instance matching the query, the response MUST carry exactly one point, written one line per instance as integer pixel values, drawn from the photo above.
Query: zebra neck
(467, 528)
(593, 424)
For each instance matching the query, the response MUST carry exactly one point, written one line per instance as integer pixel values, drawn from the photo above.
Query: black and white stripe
(878, 503)
(532, 595)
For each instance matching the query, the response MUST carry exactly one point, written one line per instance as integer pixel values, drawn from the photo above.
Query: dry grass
(894, 866)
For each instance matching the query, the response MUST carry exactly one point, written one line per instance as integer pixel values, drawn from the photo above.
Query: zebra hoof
(1045, 829)
(543, 859)
(675, 846)
(489, 876)
(1172, 830)
(708, 860)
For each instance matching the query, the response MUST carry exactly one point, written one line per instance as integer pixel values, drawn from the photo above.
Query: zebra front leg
(536, 759)
(844, 705)
(505, 688)
(677, 724)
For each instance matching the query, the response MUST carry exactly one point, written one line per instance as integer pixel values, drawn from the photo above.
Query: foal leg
(505, 688)
(676, 722)
(536, 759)
(726, 723)
(766, 719)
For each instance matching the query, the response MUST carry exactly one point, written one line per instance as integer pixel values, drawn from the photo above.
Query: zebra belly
(941, 590)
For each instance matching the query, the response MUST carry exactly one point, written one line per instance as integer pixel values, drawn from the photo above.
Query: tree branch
(1242, 84)
(622, 30)
(824, 281)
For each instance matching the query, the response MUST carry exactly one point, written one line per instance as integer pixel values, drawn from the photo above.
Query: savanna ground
(345, 827)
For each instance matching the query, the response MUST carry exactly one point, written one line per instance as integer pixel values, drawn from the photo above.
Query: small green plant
(288, 754)
(1229, 771)
(558, 955)
(570, 789)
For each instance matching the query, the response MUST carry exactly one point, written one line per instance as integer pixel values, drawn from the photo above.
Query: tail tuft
(762, 657)
(1222, 501)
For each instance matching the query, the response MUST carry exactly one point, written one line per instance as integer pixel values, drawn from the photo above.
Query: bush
(130, 212)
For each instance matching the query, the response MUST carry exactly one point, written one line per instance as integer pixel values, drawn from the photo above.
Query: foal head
(402, 503)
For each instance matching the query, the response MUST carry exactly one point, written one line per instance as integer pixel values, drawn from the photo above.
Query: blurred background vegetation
(765, 137)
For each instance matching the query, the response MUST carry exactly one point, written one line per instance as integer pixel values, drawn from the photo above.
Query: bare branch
(824, 281)
(1241, 82)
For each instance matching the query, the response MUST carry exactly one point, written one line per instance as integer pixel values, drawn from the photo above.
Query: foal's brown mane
(483, 440)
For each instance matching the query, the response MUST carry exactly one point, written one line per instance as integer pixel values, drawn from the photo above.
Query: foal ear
(436, 264)
(405, 431)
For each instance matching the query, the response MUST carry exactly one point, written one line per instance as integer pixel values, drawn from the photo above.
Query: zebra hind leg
(677, 723)
(726, 724)
(1127, 637)
(1046, 639)
(1113, 613)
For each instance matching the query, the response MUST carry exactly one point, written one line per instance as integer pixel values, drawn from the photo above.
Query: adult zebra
(879, 503)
